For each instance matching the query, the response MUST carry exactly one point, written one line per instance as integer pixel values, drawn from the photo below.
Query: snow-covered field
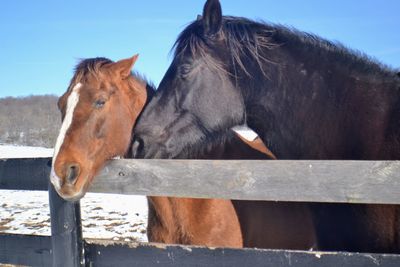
(106, 216)
(10, 151)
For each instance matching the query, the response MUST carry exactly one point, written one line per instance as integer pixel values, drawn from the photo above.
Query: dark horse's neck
(318, 100)
(210, 222)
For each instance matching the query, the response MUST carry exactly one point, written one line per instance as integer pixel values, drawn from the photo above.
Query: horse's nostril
(72, 173)
(137, 148)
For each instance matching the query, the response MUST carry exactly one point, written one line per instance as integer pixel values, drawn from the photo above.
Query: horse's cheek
(99, 132)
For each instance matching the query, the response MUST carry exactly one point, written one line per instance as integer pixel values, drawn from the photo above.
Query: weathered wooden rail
(316, 181)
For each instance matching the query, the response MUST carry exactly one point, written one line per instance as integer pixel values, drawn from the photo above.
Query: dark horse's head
(197, 99)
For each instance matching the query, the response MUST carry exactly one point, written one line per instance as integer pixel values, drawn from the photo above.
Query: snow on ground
(104, 216)
(10, 151)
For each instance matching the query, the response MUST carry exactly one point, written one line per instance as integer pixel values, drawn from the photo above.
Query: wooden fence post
(66, 231)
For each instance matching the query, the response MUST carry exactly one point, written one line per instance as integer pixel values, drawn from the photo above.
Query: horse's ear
(212, 17)
(123, 67)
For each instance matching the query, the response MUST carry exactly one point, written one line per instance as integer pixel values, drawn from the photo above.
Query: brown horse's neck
(210, 222)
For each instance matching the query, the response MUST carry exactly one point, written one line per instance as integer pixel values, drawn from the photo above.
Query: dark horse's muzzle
(137, 150)
(144, 149)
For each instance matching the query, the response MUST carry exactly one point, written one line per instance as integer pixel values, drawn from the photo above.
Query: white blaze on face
(72, 102)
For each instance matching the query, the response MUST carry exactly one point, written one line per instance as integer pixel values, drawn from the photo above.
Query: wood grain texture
(319, 181)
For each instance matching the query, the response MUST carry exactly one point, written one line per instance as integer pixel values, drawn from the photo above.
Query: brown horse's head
(98, 111)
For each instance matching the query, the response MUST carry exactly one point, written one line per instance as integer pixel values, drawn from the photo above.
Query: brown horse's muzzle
(69, 186)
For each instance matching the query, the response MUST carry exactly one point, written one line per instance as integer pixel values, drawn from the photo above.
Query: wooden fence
(316, 181)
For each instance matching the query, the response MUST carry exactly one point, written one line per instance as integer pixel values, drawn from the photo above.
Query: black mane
(248, 41)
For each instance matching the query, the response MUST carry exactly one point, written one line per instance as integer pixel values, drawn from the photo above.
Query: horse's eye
(99, 103)
(185, 70)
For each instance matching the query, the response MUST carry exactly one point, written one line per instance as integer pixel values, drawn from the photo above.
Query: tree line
(31, 120)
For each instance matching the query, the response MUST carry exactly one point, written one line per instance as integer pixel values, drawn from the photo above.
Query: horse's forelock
(93, 66)
(88, 66)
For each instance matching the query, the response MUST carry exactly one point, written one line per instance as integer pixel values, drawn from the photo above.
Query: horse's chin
(157, 152)
(73, 198)
(72, 193)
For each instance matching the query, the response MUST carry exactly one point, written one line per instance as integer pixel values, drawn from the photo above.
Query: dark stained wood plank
(100, 253)
(25, 250)
(320, 181)
(66, 231)
(25, 174)
(36, 251)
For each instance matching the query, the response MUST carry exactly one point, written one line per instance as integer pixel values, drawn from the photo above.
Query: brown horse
(99, 110)
(99, 94)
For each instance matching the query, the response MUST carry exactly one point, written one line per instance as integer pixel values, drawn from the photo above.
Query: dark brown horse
(306, 97)
(99, 110)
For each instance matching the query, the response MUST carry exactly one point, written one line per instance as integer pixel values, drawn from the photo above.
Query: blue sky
(41, 41)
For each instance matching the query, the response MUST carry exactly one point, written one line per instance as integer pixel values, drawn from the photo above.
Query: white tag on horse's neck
(245, 132)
